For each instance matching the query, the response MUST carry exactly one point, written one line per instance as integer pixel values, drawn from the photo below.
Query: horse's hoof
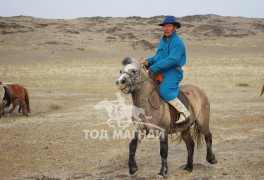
(133, 170)
(211, 160)
(188, 168)
(162, 175)
(163, 171)
(25, 114)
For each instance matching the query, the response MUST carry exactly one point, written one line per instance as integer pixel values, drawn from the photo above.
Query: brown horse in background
(262, 91)
(17, 91)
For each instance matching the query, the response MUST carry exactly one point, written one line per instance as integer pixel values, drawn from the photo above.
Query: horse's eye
(133, 71)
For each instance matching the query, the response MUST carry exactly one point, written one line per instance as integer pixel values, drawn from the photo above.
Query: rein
(156, 88)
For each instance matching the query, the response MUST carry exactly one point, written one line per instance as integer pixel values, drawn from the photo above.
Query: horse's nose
(122, 81)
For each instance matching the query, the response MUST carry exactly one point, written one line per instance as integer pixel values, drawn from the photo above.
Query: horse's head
(131, 76)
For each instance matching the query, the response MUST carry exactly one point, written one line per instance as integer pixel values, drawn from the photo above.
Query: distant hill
(23, 34)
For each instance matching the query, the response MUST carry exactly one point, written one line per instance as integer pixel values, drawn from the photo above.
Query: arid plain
(68, 66)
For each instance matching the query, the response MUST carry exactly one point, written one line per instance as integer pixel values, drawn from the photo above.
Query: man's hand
(144, 62)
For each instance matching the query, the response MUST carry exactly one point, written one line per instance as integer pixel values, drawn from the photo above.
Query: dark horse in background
(2, 101)
(262, 91)
(134, 80)
(17, 95)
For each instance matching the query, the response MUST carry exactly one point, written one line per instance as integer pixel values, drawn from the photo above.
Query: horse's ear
(126, 61)
(0, 82)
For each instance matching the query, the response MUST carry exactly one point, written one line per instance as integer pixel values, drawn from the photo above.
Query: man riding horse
(167, 64)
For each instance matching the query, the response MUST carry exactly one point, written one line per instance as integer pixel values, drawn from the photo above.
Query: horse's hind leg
(14, 104)
(204, 128)
(20, 109)
(24, 105)
(210, 155)
(186, 136)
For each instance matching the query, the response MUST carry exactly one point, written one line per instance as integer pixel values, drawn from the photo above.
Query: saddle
(183, 97)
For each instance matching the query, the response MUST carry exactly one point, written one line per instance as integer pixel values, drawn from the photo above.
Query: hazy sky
(68, 9)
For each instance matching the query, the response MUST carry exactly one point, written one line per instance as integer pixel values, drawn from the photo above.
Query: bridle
(134, 77)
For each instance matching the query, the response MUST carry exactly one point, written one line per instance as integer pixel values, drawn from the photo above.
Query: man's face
(168, 29)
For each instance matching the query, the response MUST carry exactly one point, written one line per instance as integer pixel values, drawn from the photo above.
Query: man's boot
(184, 113)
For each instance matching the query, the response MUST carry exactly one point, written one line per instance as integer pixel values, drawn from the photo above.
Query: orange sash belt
(159, 77)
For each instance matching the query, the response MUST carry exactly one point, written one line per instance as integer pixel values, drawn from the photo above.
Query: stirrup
(181, 125)
(185, 122)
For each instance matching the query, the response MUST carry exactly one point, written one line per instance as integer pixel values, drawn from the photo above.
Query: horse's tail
(197, 135)
(27, 99)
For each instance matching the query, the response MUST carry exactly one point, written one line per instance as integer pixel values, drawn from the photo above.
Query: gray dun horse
(135, 80)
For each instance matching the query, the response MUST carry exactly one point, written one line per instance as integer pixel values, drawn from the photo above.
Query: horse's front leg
(164, 155)
(132, 152)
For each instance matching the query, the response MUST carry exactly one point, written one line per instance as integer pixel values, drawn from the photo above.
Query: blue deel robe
(169, 55)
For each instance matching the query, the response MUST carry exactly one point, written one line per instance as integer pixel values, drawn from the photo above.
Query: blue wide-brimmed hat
(170, 20)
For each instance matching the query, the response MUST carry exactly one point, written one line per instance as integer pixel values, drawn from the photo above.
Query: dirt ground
(51, 143)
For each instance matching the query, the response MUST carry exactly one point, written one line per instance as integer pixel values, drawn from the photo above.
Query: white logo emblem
(120, 114)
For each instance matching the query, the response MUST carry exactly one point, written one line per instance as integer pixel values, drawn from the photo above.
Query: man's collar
(168, 38)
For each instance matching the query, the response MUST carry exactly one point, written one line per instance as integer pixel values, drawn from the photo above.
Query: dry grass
(63, 95)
